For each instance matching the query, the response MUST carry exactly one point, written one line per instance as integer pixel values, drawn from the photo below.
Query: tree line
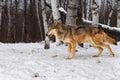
(28, 20)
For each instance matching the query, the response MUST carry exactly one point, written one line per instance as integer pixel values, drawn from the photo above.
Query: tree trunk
(15, 20)
(79, 20)
(0, 11)
(95, 11)
(56, 15)
(26, 27)
(88, 6)
(118, 14)
(4, 22)
(84, 8)
(109, 17)
(9, 19)
(72, 12)
(44, 16)
(38, 19)
(55, 9)
(102, 12)
(45, 24)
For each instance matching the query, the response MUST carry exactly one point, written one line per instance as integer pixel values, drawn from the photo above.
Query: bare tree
(111, 10)
(1, 3)
(25, 35)
(55, 9)
(45, 24)
(44, 16)
(88, 9)
(95, 11)
(118, 14)
(4, 22)
(102, 12)
(56, 15)
(72, 11)
(109, 17)
(9, 18)
(38, 17)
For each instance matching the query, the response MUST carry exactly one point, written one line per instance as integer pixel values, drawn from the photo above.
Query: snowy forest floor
(30, 61)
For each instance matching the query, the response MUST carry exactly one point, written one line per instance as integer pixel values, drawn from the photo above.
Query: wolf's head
(52, 30)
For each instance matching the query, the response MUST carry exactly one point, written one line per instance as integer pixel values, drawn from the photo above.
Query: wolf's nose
(115, 43)
(46, 34)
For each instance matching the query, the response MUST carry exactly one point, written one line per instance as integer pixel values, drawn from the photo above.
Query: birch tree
(109, 17)
(110, 10)
(95, 11)
(72, 11)
(55, 9)
(43, 8)
(118, 14)
(56, 14)
(88, 9)
(45, 24)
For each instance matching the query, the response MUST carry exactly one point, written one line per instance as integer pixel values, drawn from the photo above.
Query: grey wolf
(73, 35)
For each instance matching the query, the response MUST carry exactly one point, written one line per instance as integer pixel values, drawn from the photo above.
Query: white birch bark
(72, 12)
(118, 14)
(95, 11)
(44, 16)
(109, 17)
(88, 8)
(47, 42)
(56, 15)
(83, 14)
(55, 9)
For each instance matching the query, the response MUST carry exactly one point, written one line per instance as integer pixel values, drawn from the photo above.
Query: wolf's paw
(95, 56)
(113, 55)
(68, 58)
(59, 43)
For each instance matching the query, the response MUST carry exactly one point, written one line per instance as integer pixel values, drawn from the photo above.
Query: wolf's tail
(109, 39)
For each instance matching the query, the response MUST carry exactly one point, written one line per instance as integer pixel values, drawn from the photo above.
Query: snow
(30, 61)
(62, 10)
(103, 25)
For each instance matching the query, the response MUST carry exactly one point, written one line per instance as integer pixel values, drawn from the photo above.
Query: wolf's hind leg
(109, 49)
(99, 53)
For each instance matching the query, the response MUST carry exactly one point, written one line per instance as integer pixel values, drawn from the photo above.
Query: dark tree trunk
(4, 22)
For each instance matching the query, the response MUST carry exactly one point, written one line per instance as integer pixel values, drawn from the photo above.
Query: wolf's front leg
(58, 42)
(69, 47)
(72, 49)
(100, 51)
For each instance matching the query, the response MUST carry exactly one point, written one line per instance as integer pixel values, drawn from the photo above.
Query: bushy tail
(109, 39)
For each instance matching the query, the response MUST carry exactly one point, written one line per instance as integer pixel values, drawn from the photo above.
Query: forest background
(28, 20)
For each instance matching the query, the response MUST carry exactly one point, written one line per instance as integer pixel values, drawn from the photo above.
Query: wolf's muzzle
(49, 35)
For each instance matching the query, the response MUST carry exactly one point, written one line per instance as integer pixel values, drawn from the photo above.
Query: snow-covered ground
(29, 61)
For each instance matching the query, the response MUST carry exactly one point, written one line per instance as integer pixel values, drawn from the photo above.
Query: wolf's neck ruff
(63, 31)
(69, 30)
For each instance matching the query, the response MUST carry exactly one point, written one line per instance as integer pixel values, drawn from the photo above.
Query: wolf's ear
(55, 22)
